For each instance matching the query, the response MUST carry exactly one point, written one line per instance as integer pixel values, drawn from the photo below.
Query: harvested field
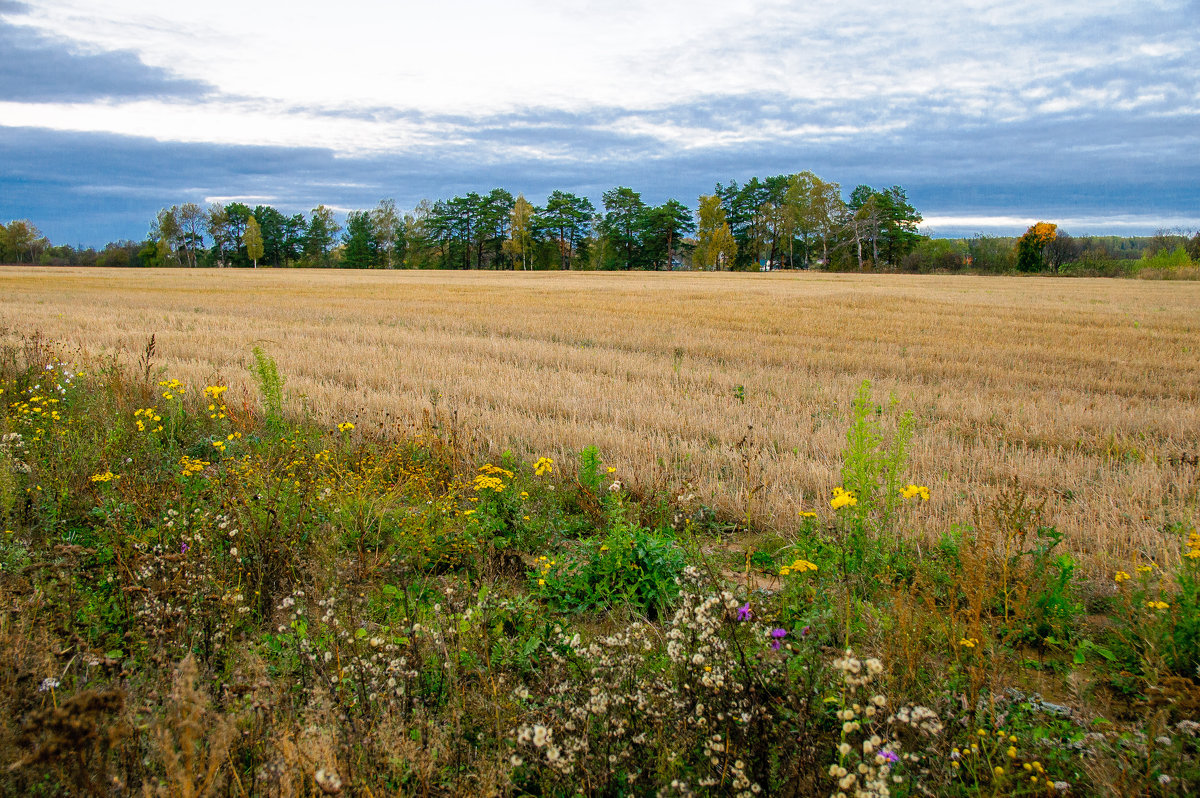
(1086, 391)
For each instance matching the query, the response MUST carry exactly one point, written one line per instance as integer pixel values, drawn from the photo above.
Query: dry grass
(1087, 391)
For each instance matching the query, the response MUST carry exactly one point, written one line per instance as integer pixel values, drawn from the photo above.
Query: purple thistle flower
(806, 631)
(744, 613)
(778, 634)
(183, 548)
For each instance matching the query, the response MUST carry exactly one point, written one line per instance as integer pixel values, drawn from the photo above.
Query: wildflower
(890, 756)
(1145, 569)
(543, 466)
(915, 491)
(1120, 576)
(48, 684)
(807, 514)
(107, 476)
(969, 642)
(842, 498)
(744, 613)
(1157, 605)
(345, 426)
(778, 635)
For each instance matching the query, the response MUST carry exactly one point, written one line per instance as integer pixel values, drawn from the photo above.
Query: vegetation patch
(201, 597)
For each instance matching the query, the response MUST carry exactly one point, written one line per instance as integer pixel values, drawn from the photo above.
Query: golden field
(1085, 391)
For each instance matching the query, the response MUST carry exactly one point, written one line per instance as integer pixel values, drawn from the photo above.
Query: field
(311, 533)
(734, 389)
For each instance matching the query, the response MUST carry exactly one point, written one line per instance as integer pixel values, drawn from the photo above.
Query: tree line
(794, 221)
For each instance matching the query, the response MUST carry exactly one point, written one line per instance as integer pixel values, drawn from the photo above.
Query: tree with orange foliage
(1031, 246)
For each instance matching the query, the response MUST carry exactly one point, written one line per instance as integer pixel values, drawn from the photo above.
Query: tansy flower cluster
(797, 567)
(190, 466)
(107, 476)
(842, 498)
(490, 478)
(915, 491)
(543, 466)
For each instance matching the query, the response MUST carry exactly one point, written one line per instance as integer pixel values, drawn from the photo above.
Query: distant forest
(796, 221)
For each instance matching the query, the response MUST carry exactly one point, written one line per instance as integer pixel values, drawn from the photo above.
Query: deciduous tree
(253, 240)
(715, 246)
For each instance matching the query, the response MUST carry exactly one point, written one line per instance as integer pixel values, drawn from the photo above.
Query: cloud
(35, 67)
(95, 187)
(1084, 109)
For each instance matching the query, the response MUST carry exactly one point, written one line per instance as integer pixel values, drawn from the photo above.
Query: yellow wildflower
(1120, 576)
(543, 466)
(915, 491)
(345, 426)
(842, 498)
(970, 642)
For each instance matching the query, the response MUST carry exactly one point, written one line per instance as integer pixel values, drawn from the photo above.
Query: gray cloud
(91, 188)
(35, 67)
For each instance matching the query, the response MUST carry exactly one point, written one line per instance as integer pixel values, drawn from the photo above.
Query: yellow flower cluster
(172, 387)
(147, 415)
(107, 476)
(842, 498)
(915, 491)
(969, 642)
(490, 477)
(190, 466)
(1121, 576)
(1193, 545)
(807, 514)
(1157, 605)
(543, 565)
(797, 567)
(216, 407)
(345, 426)
(543, 466)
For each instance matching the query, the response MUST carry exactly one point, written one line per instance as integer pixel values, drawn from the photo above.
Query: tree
(385, 223)
(570, 218)
(191, 223)
(1061, 250)
(622, 224)
(253, 240)
(715, 246)
(520, 236)
(664, 226)
(21, 239)
(362, 249)
(273, 227)
(166, 233)
(322, 232)
(1031, 246)
(218, 228)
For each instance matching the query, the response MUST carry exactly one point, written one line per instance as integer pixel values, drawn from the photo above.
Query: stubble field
(1087, 392)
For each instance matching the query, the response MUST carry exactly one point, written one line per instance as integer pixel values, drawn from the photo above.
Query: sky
(992, 115)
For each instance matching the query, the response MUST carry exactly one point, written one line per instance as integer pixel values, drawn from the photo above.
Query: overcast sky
(991, 114)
